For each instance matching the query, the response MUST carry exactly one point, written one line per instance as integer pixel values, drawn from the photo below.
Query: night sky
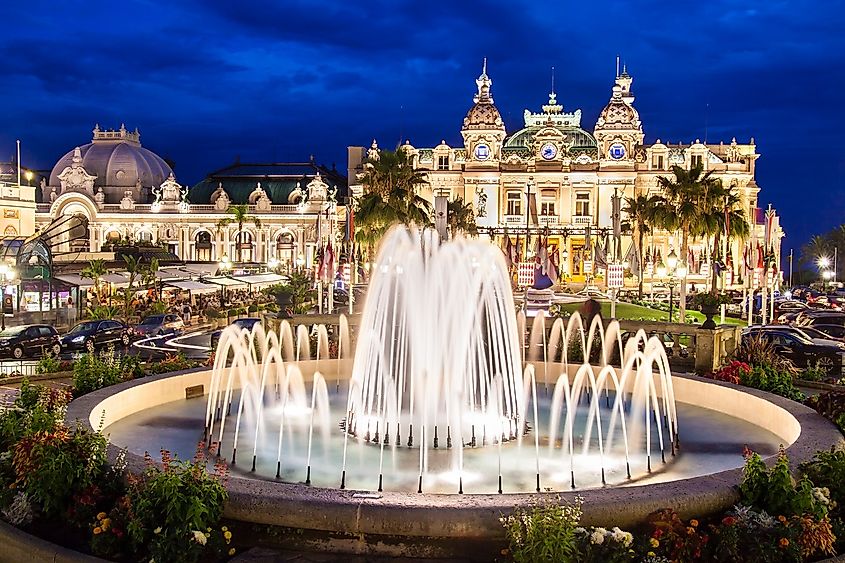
(206, 81)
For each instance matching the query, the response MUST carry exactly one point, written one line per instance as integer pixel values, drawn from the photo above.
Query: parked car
(90, 335)
(158, 325)
(246, 323)
(836, 332)
(29, 340)
(802, 351)
(805, 332)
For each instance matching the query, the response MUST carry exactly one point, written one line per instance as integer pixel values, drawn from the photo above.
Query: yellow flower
(782, 519)
(783, 543)
(227, 534)
(693, 523)
(101, 515)
(654, 542)
(98, 530)
(224, 528)
(650, 554)
(106, 523)
(208, 529)
(231, 552)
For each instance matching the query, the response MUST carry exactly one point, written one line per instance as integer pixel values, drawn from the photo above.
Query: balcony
(514, 219)
(549, 219)
(582, 219)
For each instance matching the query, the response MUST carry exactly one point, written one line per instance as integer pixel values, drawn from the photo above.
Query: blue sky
(206, 81)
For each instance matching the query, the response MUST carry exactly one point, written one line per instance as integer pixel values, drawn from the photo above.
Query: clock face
(617, 151)
(482, 152)
(548, 151)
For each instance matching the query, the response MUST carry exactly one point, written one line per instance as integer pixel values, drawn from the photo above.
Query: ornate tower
(619, 130)
(483, 130)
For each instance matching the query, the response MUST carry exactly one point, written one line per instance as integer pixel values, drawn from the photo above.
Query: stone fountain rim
(475, 515)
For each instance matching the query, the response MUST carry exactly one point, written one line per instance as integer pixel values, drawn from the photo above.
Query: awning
(166, 274)
(205, 269)
(119, 279)
(261, 280)
(76, 279)
(227, 282)
(193, 286)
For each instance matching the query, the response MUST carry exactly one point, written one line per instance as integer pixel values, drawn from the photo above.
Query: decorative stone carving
(373, 151)
(296, 195)
(260, 199)
(74, 177)
(317, 189)
(100, 199)
(170, 192)
(128, 202)
(220, 199)
(53, 194)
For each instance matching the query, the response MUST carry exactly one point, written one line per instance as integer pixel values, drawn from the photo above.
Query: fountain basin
(428, 524)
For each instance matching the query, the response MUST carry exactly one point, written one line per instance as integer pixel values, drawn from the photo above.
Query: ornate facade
(127, 193)
(554, 176)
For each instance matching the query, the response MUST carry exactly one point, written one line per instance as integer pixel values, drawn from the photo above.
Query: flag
(600, 256)
(770, 217)
(507, 250)
(727, 221)
(326, 270)
(553, 264)
(349, 236)
(633, 259)
(760, 255)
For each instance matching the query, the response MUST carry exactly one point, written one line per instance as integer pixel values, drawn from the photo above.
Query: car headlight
(4, 341)
(77, 339)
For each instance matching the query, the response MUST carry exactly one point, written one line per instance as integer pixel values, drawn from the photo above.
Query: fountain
(440, 372)
(450, 411)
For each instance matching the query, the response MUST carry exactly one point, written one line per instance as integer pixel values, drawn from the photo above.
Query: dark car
(247, 323)
(801, 350)
(90, 335)
(157, 325)
(29, 340)
(832, 331)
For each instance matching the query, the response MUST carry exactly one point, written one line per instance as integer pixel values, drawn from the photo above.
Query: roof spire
(483, 82)
(553, 79)
(617, 66)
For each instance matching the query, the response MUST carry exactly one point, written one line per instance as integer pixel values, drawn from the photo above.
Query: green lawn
(636, 312)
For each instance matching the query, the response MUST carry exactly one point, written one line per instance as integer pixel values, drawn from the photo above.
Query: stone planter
(709, 311)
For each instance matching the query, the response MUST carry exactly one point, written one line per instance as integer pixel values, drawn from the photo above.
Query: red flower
(658, 533)
(728, 521)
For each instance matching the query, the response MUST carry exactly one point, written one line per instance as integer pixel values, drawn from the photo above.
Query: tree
(461, 217)
(239, 214)
(94, 271)
(391, 185)
(685, 194)
(149, 274)
(642, 212)
(134, 269)
(717, 203)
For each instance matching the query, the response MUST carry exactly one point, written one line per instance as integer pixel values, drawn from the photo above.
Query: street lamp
(28, 174)
(7, 276)
(225, 265)
(673, 272)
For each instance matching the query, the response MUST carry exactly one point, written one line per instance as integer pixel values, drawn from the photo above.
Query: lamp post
(28, 174)
(7, 276)
(225, 265)
(823, 263)
(673, 272)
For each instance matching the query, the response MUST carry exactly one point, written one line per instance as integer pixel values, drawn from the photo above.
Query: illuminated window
(547, 203)
(443, 162)
(514, 203)
(696, 160)
(657, 161)
(582, 204)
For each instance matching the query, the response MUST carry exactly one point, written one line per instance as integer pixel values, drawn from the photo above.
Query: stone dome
(118, 161)
(618, 113)
(483, 115)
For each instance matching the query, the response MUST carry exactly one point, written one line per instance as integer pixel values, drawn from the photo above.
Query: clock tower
(619, 131)
(483, 130)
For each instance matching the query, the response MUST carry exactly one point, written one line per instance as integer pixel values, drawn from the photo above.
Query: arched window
(244, 247)
(79, 235)
(145, 236)
(112, 236)
(285, 249)
(10, 230)
(202, 242)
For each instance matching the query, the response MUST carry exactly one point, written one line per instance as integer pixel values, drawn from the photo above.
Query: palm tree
(461, 217)
(817, 247)
(133, 268)
(94, 271)
(685, 195)
(717, 203)
(391, 196)
(239, 215)
(642, 212)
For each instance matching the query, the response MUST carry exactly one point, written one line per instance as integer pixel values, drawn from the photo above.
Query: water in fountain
(440, 371)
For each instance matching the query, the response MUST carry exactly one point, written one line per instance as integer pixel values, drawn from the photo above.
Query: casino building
(558, 178)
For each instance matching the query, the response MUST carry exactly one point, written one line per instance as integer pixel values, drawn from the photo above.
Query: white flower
(157, 530)
(200, 537)
(621, 536)
(580, 530)
(597, 537)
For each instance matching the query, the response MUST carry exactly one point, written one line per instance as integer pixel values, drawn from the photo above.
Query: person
(71, 311)
(186, 312)
(589, 310)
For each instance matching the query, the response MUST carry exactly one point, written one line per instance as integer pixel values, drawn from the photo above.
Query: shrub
(672, 537)
(171, 362)
(756, 351)
(769, 378)
(94, 371)
(813, 373)
(175, 508)
(600, 545)
(50, 466)
(827, 472)
(52, 364)
(830, 405)
(732, 373)
(774, 491)
(543, 532)
(252, 309)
